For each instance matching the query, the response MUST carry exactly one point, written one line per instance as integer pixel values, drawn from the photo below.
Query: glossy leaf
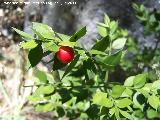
(28, 45)
(106, 20)
(102, 31)
(110, 61)
(71, 66)
(41, 76)
(119, 43)
(50, 46)
(43, 31)
(101, 99)
(154, 101)
(78, 35)
(68, 43)
(117, 91)
(129, 81)
(139, 80)
(44, 107)
(113, 26)
(102, 44)
(44, 90)
(25, 35)
(62, 37)
(35, 55)
(151, 114)
(122, 103)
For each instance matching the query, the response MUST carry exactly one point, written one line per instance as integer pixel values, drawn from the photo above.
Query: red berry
(65, 54)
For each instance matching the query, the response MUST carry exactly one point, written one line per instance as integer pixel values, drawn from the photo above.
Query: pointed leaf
(45, 107)
(154, 101)
(119, 43)
(78, 35)
(50, 46)
(41, 76)
(102, 31)
(122, 103)
(35, 55)
(62, 37)
(25, 35)
(101, 45)
(129, 81)
(139, 80)
(28, 45)
(106, 20)
(44, 90)
(43, 31)
(71, 66)
(100, 98)
(113, 59)
(117, 91)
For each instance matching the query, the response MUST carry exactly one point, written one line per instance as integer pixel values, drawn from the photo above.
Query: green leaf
(126, 114)
(35, 55)
(106, 20)
(117, 91)
(50, 46)
(44, 90)
(113, 59)
(62, 37)
(102, 44)
(102, 31)
(43, 31)
(35, 99)
(117, 114)
(113, 26)
(44, 107)
(156, 85)
(96, 52)
(68, 43)
(25, 35)
(78, 35)
(122, 103)
(71, 66)
(111, 111)
(151, 114)
(129, 81)
(154, 101)
(100, 98)
(140, 80)
(119, 43)
(102, 24)
(41, 76)
(127, 93)
(135, 6)
(28, 45)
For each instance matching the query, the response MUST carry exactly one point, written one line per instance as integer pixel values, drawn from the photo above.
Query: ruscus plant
(81, 87)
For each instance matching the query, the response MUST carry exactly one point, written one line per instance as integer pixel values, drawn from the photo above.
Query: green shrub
(82, 89)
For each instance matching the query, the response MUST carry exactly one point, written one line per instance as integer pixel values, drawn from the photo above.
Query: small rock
(5, 32)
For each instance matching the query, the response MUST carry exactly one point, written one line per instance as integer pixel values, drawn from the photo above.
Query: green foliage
(83, 89)
(24, 35)
(43, 31)
(35, 55)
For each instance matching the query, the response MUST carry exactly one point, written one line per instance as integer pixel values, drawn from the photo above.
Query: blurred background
(64, 17)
